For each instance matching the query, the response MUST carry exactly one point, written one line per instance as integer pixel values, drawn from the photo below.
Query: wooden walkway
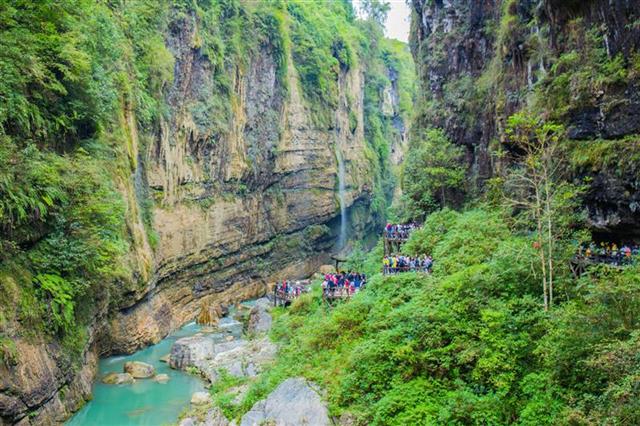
(339, 294)
(281, 298)
(392, 244)
(580, 264)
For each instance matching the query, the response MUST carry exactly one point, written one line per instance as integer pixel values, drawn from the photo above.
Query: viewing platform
(393, 244)
(580, 263)
(284, 295)
(337, 294)
(394, 236)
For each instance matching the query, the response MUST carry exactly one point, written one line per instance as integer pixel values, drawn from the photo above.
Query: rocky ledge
(293, 402)
(237, 357)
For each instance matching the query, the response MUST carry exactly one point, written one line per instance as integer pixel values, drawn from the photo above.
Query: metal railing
(400, 269)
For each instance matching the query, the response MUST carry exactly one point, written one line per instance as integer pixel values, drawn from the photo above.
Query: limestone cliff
(479, 62)
(245, 207)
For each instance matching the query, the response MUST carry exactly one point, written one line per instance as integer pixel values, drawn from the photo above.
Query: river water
(147, 402)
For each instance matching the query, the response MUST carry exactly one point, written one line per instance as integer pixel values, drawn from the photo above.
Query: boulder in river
(139, 370)
(231, 326)
(165, 358)
(293, 402)
(161, 378)
(210, 314)
(189, 351)
(240, 358)
(118, 379)
(260, 318)
(200, 398)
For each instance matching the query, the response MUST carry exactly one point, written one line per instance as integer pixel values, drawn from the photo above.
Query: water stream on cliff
(342, 239)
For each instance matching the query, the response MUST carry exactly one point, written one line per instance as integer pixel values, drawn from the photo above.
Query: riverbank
(158, 399)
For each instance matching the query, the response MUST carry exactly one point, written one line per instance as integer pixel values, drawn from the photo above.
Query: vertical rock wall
(238, 209)
(571, 62)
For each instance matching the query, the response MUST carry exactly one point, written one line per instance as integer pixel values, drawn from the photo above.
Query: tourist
(610, 253)
(399, 231)
(343, 284)
(399, 263)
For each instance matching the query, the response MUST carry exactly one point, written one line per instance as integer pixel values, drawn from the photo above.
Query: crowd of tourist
(398, 263)
(288, 290)
(611, 253)
(343, 284)
(399, 231)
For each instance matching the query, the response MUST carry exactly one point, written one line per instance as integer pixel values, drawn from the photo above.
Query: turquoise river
(145, 402)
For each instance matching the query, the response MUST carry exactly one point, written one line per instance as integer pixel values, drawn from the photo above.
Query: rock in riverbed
(294, 402)
(200, 398)
(260, 318)
(118, 379)
(139, 370)
(214, 417)
(240, 358)
(327, 269)
(189, 351)
(161, 378)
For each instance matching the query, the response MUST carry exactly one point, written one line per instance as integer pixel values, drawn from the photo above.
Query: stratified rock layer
(246, 208)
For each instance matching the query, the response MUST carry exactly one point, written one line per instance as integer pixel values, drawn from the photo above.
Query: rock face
(259, 319)
(253, 205)
(33, 385)
(200, 398)
(139, 370)
(480, 62)
(189, 351)
(292, 403)
(240, 358)
(118, 379)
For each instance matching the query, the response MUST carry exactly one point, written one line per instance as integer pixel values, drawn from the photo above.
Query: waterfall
(342, 239)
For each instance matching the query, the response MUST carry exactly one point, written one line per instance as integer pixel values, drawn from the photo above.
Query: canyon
(220, 201)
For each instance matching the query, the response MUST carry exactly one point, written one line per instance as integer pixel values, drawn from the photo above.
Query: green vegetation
(323, 46)
(433, 170)
(582, 72)
(619, 157)
(471, 343)
(502, 332)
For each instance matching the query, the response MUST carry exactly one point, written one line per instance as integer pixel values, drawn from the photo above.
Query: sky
(397, 25)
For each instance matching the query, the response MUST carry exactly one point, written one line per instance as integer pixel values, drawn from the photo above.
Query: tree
(376, 10)
(434, 170)
(537, 189)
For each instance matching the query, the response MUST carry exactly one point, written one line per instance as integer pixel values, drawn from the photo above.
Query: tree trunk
(550, 241)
